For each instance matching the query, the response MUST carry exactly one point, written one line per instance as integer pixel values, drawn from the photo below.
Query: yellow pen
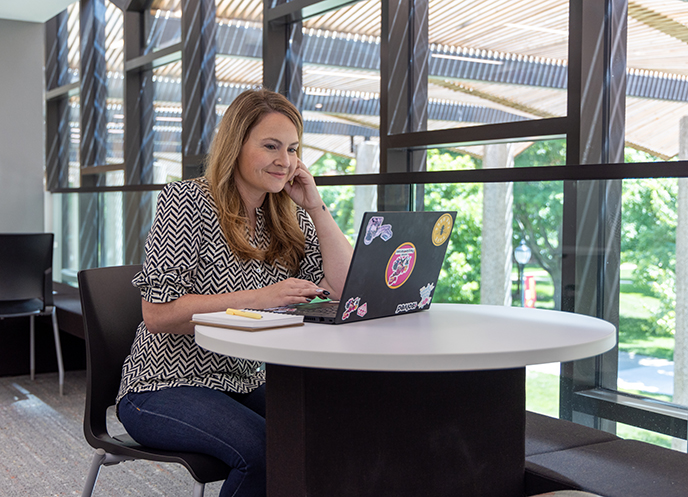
(246, 314)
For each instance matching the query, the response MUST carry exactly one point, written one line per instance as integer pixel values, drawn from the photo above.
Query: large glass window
(74, 168)
(167, 127)
(73, 42)
(163, 26)
(653, 325)
(657, 80)
(494, 65)
(114, 39)
(463, 93)
(341, 85)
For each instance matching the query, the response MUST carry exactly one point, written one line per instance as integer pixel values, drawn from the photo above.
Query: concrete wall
(22, 141)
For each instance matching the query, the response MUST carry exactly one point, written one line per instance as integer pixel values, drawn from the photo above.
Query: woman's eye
(270, 147)
(293, 150)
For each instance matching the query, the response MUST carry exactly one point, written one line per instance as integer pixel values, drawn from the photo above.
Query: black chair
(112, 312)
(26, 286)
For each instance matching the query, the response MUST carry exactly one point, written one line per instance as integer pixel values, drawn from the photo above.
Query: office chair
(112, 312)
(26, 286)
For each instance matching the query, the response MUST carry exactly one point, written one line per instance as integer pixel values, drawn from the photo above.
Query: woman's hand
(335, 248)
(175, 316)
(301, 188)
(286, 292)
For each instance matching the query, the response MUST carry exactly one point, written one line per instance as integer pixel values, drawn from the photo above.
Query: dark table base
(337, 433)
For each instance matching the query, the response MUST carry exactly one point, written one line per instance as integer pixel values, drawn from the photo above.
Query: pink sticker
(363, 310)
(400, 265)
(351, 306)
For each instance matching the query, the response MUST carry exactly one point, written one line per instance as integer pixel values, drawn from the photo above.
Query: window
(579, 142)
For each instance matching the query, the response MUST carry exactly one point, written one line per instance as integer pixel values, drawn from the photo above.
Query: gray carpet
(43, 451)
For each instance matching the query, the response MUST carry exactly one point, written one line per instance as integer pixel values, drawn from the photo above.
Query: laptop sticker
(363, 310)
(375, 228)
(442, 229)
(409, 306)
(351, 306)
(426, 295)
(400, 265)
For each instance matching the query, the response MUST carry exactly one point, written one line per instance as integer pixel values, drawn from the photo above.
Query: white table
(431, 403)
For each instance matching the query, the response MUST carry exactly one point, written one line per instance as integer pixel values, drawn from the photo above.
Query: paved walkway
(636, 372)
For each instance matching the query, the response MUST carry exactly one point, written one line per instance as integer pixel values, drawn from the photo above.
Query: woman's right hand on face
(289, 291)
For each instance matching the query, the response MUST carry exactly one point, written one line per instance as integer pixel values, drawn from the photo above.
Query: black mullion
(139, 136)
(57, 109)
(495, 133)
(198, 82)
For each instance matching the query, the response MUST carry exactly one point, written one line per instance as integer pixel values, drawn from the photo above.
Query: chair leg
(58, 349)
(32, 345)
(92, 477)
(199, 489)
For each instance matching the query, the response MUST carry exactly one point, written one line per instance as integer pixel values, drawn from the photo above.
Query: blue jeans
(228, 426)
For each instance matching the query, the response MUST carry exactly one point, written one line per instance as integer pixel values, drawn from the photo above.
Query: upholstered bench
(562, 455)
(546, 434)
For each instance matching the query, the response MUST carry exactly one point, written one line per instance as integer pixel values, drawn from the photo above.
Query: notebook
(394, 269)
(267, 320)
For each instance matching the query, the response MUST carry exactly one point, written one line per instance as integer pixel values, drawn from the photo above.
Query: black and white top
(186, 252)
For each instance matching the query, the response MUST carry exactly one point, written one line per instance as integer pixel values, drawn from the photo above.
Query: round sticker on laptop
(400, 265)
(442, 229)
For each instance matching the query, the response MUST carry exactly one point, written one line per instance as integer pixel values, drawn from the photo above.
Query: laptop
(394, 269)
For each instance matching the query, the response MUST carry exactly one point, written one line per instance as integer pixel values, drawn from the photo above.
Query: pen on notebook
(246, 314)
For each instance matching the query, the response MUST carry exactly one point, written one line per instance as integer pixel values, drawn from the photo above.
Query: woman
(253, 233)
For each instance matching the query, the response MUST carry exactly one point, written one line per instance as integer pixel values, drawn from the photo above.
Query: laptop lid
(394, 269)
(396, 264)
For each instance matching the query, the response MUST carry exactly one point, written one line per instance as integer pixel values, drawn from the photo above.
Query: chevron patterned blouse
(186, 252)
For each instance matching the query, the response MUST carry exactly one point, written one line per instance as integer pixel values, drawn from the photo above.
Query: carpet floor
(43, 451)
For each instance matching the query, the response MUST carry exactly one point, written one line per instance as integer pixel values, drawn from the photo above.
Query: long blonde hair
(287, 241)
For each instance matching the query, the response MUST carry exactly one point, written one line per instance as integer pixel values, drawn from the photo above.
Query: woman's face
(267, 159)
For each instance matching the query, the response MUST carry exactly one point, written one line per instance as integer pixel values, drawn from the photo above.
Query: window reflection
(114, 36)
(73, 41)
(656, 96)
(74, 142)
(167, 128)
(162, 24)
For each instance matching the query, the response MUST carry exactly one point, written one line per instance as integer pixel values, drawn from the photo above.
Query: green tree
(648, 241)
(338, 199)
(459, 280)
(538, 210)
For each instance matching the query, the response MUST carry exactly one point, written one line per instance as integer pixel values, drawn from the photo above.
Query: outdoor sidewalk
(636, 372)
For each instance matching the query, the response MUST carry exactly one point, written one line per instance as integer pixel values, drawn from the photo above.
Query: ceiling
(490, 61)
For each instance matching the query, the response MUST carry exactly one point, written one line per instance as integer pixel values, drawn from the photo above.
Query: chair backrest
(111, 307)
(26, 262)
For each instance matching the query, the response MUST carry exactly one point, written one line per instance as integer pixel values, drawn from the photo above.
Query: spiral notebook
(394, 269)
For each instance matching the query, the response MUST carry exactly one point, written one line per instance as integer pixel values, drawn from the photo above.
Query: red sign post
(529, 294)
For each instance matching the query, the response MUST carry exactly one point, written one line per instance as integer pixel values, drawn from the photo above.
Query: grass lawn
(638, 333)
(542, 393)
(542, 396)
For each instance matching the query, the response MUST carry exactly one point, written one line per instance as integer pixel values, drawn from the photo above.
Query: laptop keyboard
(326, 311)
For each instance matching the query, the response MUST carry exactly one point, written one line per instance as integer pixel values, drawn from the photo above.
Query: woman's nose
(283, 159)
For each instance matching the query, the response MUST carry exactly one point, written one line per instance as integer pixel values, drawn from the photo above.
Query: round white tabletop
(448, 337)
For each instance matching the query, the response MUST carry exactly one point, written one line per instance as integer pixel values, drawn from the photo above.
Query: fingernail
(325, 292)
